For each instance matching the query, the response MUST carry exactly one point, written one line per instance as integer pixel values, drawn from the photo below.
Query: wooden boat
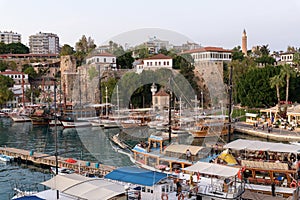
(20, 118)
(210, 130)
(39, 117)
(267, 163)
(71, 123)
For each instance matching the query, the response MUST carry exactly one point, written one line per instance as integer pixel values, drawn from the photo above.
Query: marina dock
(277, 134)
(45, 160)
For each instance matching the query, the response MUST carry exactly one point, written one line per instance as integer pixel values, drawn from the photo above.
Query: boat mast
(170, 116)
(55, 118)
(230, 104)
(23, 92)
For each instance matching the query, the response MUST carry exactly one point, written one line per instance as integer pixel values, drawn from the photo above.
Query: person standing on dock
(188, 155)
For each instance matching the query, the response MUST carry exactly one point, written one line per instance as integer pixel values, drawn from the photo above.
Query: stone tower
(244, 43)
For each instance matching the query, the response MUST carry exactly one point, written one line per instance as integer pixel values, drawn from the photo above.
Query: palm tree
(286, 73)
(276, 81)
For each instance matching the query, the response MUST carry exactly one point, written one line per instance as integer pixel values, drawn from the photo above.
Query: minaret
(244, 43)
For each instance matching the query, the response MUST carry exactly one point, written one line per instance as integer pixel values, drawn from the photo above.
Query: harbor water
(90, 144)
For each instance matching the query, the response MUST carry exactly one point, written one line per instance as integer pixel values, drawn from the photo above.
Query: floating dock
(45, 160)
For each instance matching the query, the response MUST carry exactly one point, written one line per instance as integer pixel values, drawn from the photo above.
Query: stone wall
(211, 72)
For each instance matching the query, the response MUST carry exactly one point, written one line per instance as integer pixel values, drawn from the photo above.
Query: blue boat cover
(209, 158)
(136, 175)
(29, 198)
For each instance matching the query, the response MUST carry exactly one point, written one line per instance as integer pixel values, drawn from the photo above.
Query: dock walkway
(277, 134)
(49, 160)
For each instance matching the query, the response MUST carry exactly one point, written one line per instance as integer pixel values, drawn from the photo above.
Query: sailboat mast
(229, 104)
(56, 146)
(23, 92)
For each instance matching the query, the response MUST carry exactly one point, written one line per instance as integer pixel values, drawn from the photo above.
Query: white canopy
(254, 145)
(84, 187)
(213, 169)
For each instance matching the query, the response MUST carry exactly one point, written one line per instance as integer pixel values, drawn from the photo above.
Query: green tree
(85, 45)
(252, 88)
(286, 73)
(66, 50)
(125, 61)
(5, 93)
(17, 48)
(237, 54)
(28, 69)
(3, 47)
(276, 82)
(296, 59)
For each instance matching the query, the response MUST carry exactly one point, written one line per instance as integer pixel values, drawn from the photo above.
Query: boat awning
(84, 187)
(180, 148)
(136, 176)
(254, 145)
(213, 169)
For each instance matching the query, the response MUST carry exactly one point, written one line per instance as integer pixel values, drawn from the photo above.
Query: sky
(207, 22)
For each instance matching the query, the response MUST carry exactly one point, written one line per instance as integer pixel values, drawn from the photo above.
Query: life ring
(293, 184)
(164, 196)
(299, 184)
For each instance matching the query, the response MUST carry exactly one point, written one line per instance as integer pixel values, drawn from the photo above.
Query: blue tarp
(29, 198)
(209, 158)
(136, 175)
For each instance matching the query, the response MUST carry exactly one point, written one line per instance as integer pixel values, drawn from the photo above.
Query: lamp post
(100, 95)
(106, 99)
(202, 101)
(153, 90)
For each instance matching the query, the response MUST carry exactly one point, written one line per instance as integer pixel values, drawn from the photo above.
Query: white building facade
(44, 43)
(21, 84)
(155, 62)
(105, 60)
(10, 37)
(210, 54)
(287, 58)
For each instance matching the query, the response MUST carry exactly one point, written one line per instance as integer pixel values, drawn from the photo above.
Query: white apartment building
(210, 54)
(154, 62)
(44, 43)
(9, 37)
(105, 60)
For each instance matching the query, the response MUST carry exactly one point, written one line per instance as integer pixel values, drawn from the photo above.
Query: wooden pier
(45, 160)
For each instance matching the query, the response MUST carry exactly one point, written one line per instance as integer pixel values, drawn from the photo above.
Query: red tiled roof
(207, 49)
(10, 72)
(103, 54)
(161, 93)
(158, 56)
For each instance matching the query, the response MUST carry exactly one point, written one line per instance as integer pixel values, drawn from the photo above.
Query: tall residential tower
(44, 43)
(10, 37)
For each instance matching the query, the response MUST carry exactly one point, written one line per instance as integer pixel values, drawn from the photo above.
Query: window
(113, 60)
(104, 60)
(97, 59)
(155, 63)
(164, 62)
(167, 62)
(147, 63)
(159, 63)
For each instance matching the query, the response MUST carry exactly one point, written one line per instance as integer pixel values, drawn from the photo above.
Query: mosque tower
(244, 43)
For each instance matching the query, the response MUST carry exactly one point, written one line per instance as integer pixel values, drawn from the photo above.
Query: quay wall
(277, 135)
(49, 160)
